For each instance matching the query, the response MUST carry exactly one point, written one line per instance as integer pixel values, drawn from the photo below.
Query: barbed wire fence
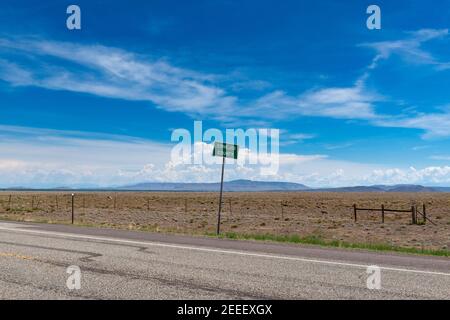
(194, 212)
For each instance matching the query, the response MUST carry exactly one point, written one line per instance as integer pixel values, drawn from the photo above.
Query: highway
(120, 264)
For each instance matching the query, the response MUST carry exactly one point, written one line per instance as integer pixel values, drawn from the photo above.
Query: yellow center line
(15, 255)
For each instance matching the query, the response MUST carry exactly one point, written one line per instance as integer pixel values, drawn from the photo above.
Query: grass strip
(295, 239)
(316, 240)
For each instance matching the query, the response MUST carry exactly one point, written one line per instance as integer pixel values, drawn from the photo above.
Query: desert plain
(321, 215)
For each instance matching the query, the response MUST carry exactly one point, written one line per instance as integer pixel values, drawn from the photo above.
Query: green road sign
(225, 150)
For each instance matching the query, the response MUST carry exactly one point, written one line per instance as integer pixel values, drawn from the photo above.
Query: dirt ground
(325, 215)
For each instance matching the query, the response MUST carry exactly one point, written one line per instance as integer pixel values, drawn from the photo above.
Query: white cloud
(338, 146)
(440, 157)
(427, 176)
(354, 102)
(50, 158)
(410, 49)
(14, 74)
(40, 157)
(434, 124)
(295, 138)
(115, 73)
(45, 157)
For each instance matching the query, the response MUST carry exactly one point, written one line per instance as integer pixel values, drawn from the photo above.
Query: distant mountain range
(235, 185)
(384, 188)
(250, 186)
(255, 186)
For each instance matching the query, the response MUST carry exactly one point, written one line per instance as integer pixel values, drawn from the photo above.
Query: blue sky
(97, 106)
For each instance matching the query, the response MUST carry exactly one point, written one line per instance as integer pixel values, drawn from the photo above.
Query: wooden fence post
(231, 211)
(416, 215)
(73, 207)
(424, 214)
(32, 203)
(354, 212)
(9, 203)
(282, 211)
(413, 215)
(56, 201)
(148, 204)
(382, 213)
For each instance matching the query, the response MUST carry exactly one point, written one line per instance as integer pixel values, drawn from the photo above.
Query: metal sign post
(220, 201)
(225, 151)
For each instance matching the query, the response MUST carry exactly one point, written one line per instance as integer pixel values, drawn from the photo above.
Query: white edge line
(251, 254)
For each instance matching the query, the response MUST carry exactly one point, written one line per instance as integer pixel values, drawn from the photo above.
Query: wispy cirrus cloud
(111, 72)
(338, 146)
(440, 157)
(435, 125)
(340, 103)
(116, 73)
(294, 138)
(411, 48)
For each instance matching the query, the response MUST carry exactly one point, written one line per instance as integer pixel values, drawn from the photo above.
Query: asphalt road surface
(118, 264)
